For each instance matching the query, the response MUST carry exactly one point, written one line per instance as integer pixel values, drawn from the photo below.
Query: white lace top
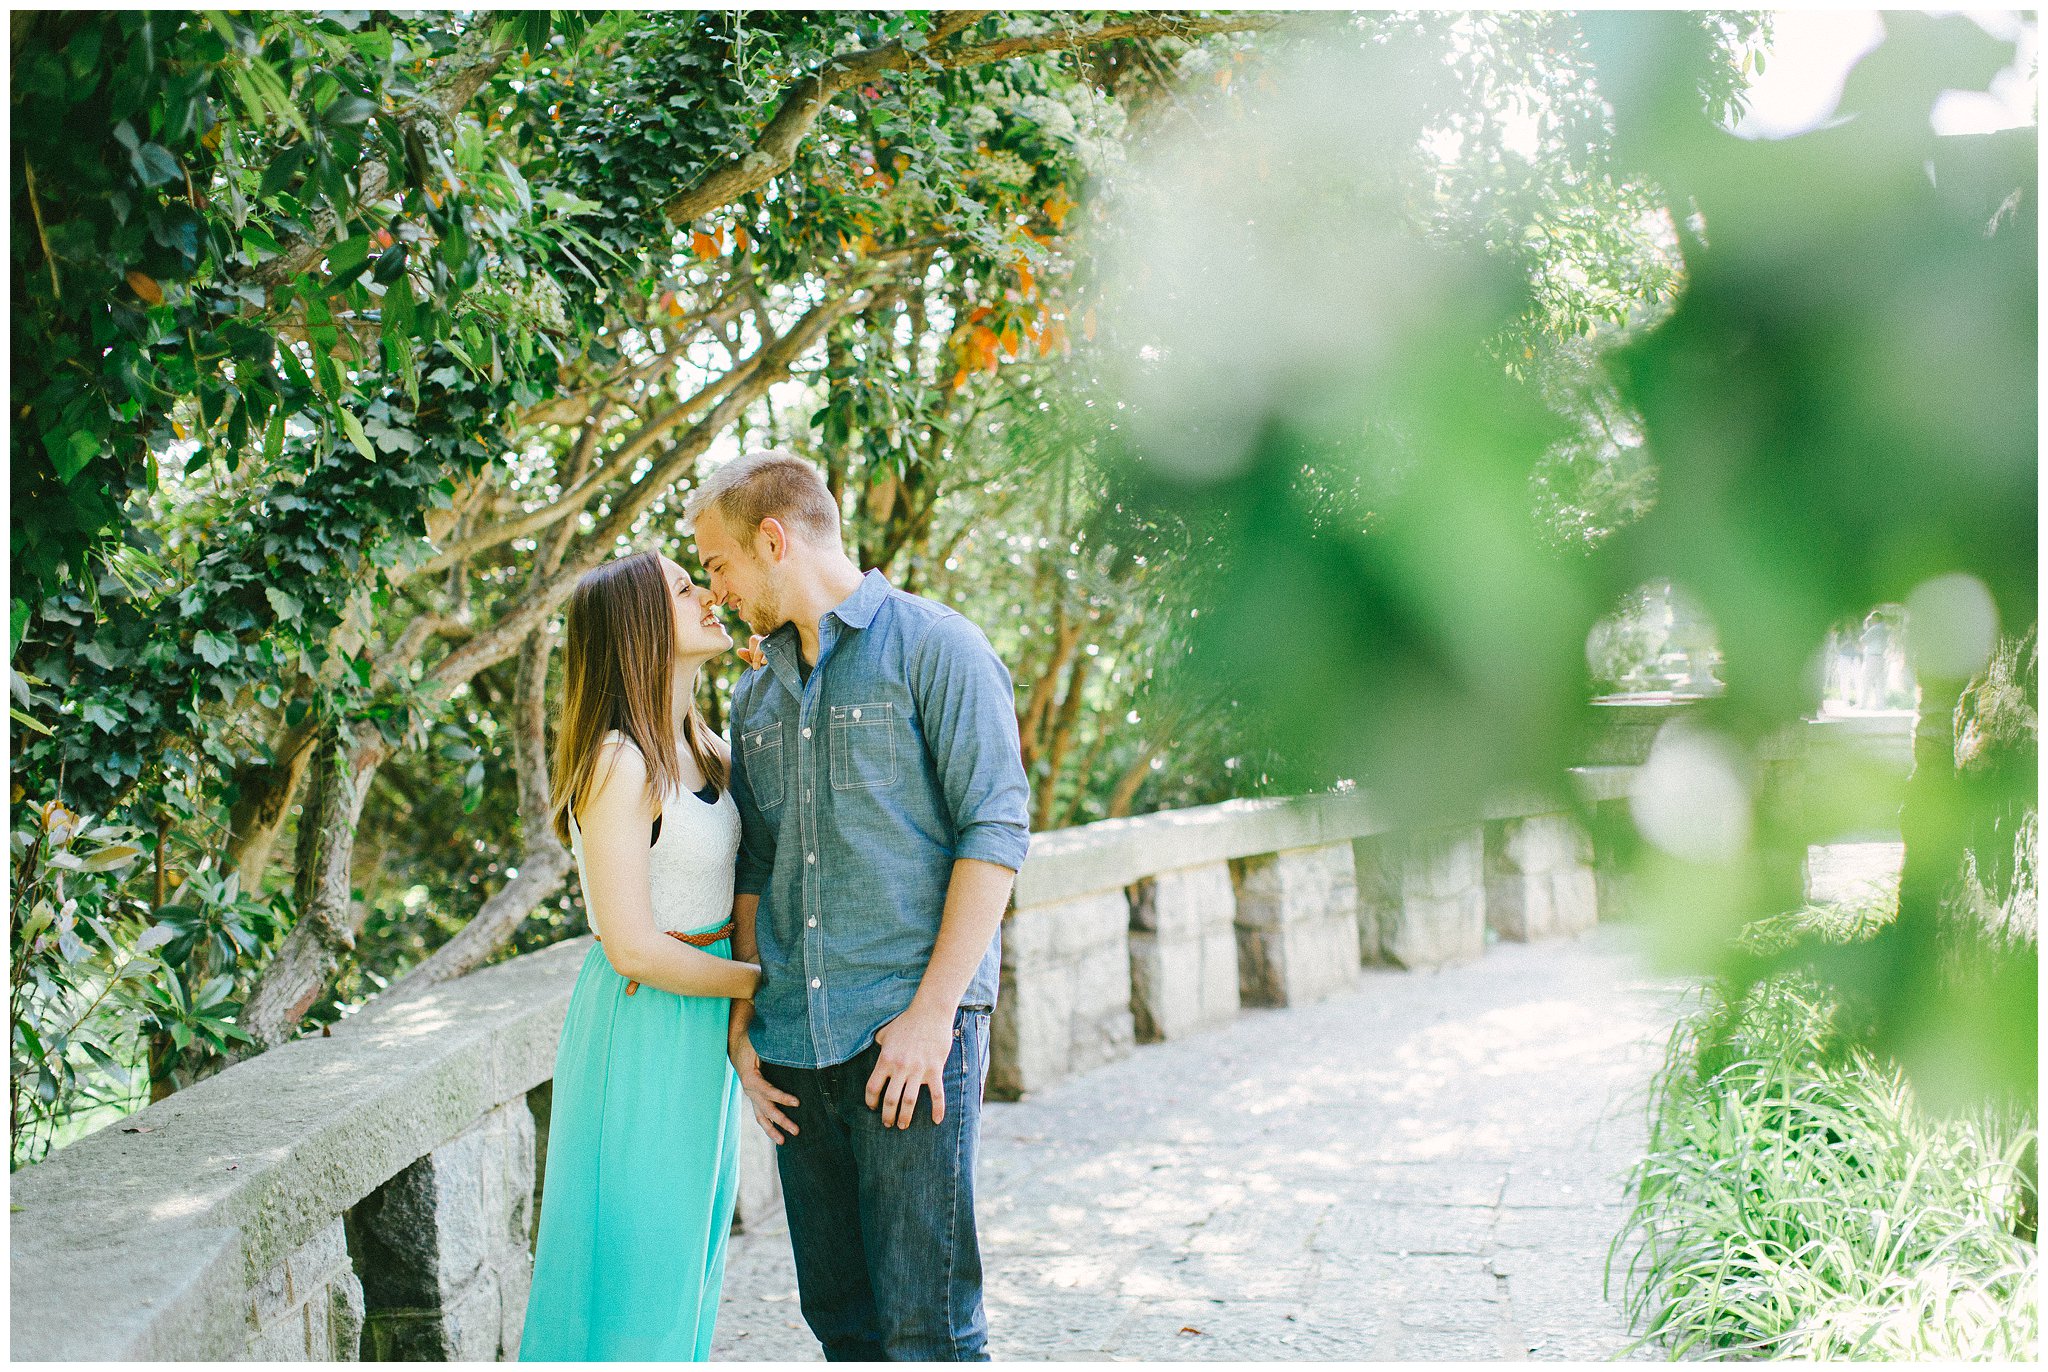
(690, 866)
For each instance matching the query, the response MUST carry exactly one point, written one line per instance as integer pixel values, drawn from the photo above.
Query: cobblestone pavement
(1427, 1167)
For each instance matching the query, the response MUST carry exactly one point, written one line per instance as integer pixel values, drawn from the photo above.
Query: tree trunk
(1121, 798)
(342, 769)
(1062, 737)
(264, 802)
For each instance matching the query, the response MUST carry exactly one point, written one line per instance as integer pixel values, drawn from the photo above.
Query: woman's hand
(766, 1098)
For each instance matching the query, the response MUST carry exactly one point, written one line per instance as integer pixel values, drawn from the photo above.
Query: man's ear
(775, 536)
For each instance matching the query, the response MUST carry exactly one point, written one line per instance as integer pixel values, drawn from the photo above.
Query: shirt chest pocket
(761, 755)
(864, 746)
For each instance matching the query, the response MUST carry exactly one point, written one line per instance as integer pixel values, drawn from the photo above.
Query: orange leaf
(1088, 324)
(959, 378)
(980, 313)
(1056, 337)
(146, 287)
(1223, 77)
(1025, 279)
(1010, 341)
(740, 239)
(177, 428)
(1057, 208)
(703, 244)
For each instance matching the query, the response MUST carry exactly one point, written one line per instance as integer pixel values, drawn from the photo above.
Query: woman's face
(698, 631)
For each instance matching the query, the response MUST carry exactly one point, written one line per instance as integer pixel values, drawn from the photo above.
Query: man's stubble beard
(767, 614)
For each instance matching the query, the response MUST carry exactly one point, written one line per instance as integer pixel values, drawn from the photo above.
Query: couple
(807, 918)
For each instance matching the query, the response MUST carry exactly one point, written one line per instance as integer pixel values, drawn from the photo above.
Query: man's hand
(915, 1047)
(762, 1094)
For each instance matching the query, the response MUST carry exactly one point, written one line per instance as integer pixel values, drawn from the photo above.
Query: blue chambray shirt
(857, 789)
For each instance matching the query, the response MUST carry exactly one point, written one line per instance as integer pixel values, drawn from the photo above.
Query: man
(882, 805)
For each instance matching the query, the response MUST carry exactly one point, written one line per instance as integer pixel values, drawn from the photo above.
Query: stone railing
(372, 1193)
(1156, 927)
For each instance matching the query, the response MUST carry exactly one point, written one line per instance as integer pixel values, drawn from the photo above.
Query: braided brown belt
(703, 940)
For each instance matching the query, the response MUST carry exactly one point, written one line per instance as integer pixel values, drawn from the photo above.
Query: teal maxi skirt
(642, 1172)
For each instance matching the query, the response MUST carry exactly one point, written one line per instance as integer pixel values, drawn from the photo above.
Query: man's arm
(968, 709)
(916, 1043)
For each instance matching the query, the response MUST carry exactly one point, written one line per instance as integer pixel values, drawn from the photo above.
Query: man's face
(738, 577)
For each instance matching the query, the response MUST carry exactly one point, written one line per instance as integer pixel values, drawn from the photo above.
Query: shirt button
(856, 714)
(811, 858)
(807, 733)
(813, 923)
(815, 983)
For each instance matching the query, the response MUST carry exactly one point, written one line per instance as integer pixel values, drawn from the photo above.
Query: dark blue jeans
(888, 1267)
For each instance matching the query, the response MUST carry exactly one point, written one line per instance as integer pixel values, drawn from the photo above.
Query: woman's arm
(614, 820)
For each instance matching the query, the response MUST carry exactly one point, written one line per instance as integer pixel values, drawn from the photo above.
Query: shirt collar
(857, 611)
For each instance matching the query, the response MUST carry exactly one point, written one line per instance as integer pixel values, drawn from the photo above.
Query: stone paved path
(1428, 1167)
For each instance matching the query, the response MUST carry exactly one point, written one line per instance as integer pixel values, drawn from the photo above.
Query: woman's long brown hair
(618, 673)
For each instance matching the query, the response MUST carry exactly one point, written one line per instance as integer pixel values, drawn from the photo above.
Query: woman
(642, 1159)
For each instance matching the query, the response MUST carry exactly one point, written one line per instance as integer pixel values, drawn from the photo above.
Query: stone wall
(1183, 944)
(374, 1193)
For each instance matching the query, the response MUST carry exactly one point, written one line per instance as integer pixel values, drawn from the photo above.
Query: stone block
(1428, 893)
(1183, 944)
(1297, 924)
(1065, 999)
(447, 1244)
(1187, 903)
(308, 1307)
(1539, 879)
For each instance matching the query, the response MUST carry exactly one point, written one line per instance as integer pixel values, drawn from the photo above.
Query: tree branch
(543, 864)
(769, 366)
(775, 150)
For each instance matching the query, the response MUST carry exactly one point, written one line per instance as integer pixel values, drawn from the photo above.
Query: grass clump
(1796, 1202)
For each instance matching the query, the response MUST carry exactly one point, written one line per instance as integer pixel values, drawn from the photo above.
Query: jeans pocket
(761, 754)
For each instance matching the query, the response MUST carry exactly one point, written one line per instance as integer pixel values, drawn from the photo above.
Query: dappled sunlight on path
(1428, 1166)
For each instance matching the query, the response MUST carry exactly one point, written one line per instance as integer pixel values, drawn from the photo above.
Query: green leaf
(27, 723)
(154, 165)
(97, 714)
(112, 856)
(286, 605)
(353, 427)
(216, 649)
(348, 254)
(80, 447)
(350, 109)
(17, 623)
(273, 438)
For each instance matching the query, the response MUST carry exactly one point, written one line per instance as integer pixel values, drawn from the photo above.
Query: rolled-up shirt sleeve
(756, 857)
(967, 708)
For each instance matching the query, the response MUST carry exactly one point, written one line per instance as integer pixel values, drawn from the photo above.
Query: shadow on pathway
(1427, 1167)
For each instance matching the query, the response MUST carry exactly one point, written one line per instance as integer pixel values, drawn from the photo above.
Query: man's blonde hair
(766, 484)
